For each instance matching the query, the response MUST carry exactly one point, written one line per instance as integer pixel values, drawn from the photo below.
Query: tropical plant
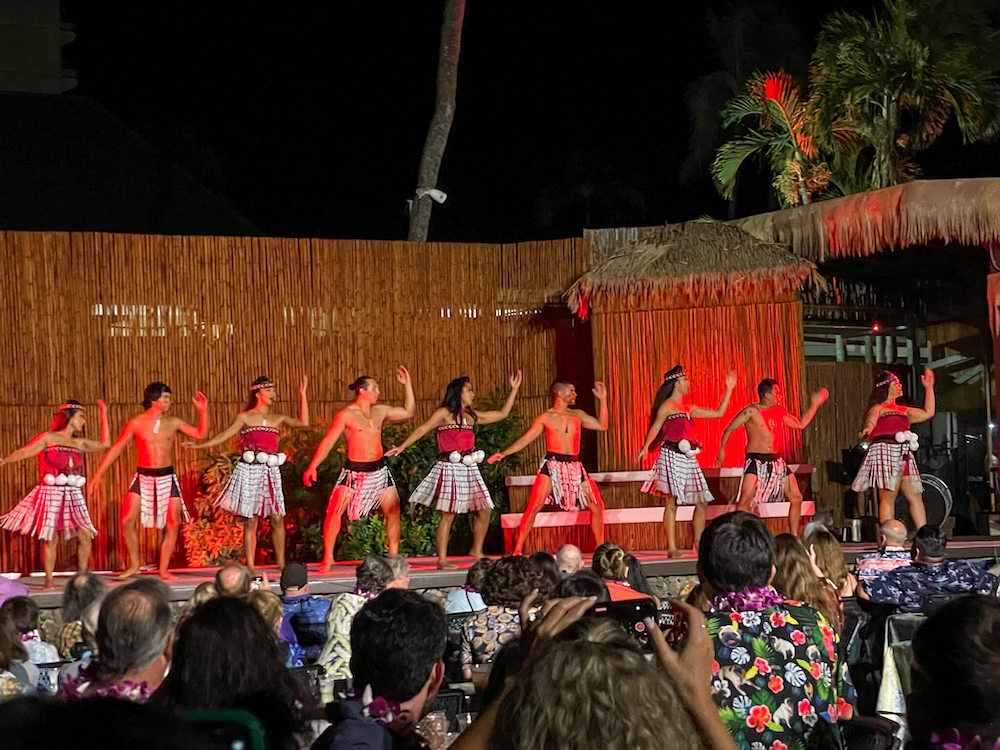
(896, 81)
(212, 536)
(778, 127)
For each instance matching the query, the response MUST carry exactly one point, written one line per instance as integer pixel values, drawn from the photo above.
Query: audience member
(233, 580)
(797, 579)
(81, 590)
(551, 575)
(636, 577)
(584, 583)
(9, 588)
(778, 678)
(134, 642)
(891, 553)
(15, 679)
(609, 564)
(400, 572)
(227, 658)
(954, 666)
(203, 592)
(304, 613)
(829, 555)
(372, 577)
(268, 606)
(467, 598)
(929, 577)
(509, 580)
(22, 612)
(569, 559)
(397, 645)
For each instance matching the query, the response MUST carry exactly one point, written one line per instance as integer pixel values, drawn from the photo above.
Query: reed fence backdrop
(90, 315)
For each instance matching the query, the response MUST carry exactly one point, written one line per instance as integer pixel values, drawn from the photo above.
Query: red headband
(257, 387)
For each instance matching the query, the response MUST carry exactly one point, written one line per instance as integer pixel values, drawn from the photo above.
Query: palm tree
(778, 128)
(897, 83)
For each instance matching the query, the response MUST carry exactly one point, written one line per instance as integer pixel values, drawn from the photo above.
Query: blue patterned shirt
(909, 588)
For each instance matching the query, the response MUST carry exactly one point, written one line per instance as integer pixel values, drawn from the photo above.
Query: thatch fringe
(916, 213)
(694, 264)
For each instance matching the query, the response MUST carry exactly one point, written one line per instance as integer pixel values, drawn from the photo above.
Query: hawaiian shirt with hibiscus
(872, 565)
(776, 674)
(909, 588)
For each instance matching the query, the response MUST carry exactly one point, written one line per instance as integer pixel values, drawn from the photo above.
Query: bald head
(233, 580)
(569, 559)
(892, 532)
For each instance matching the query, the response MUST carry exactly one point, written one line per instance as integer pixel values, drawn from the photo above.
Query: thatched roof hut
(916, 213)
(693, 264)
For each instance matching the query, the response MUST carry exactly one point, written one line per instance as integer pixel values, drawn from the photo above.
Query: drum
(937, 502)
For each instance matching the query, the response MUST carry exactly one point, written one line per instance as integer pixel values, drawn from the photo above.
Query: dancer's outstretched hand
(820, 396)
(392, 452)
(927, 379)
(600, 390)
(309, 477)
(403, 375)
(515, 380)
(730, 381)
(200, 401)
(720, 458)
(495, 457)
(303, 384)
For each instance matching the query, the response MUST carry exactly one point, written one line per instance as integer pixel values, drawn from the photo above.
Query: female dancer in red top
(889, 464)
(676, 474)
(57, 504)
(253, 490)
(455, 484)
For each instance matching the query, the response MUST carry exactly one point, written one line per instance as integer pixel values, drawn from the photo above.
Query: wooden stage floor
(424, 574)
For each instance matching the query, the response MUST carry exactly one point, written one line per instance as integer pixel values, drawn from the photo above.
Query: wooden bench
(638, 525)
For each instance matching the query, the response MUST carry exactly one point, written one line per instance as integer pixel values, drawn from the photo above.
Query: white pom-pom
(455, 457)
(272, 460)
(684, 446)
(80, 480)
(468, 460)
(914, 445)
(901, 437)
(61, 479)
(282, 457)
(49, 479)
(479, 456)
(261, 457)
(249, 456)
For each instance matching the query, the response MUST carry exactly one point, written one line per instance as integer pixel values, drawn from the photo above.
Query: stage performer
(56, 504)
(765, 474)
(889, 464)
(365, 480)
(561, 479)
(154, 496)
(676, 474)
(253, 490)
(455, 485)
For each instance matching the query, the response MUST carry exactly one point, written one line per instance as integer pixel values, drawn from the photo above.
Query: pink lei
(750, 599)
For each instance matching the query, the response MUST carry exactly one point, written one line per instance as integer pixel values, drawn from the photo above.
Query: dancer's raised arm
(127, 433)
(200, 402)
(701, 412)
(227, 434)
(739, 420)
(922, 415)
(536, 429)
(817, 400)
(37, 444)
(489, 417)
(600, 422)
(401, 413)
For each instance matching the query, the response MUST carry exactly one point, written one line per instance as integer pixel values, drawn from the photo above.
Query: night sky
(310, 117)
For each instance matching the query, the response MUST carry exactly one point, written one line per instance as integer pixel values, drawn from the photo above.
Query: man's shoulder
(352, 730)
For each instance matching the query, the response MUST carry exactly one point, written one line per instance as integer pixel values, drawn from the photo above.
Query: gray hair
(400, 566)
(132, 630)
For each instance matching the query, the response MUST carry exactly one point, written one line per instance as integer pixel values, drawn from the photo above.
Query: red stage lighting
(875, 328)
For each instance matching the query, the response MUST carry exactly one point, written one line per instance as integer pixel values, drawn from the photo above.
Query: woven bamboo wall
(633, 350)
(89, 316)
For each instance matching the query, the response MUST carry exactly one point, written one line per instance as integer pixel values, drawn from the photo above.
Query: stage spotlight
(875, 327)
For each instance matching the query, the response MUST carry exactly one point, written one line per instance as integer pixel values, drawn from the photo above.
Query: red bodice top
(60, 459)
(455, 437)
(891, 422)
(259, 438)
(676, 427)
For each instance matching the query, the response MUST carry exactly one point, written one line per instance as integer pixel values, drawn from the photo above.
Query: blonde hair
(595, 690)
(829, 555)
(609, 562)
(203, 592)
(795, 579)
(268, 606)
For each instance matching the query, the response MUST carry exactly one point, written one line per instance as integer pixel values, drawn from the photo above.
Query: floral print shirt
(487, 632)
(908, 588)
(336, 654)
(776, 674)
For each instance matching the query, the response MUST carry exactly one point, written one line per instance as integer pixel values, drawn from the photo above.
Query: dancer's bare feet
(326, 566)
(674, 553)
(49, 583)
(166, 575)
(129, 572)
(445, 564)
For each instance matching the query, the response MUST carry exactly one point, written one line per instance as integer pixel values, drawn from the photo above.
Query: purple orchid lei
(366, 595)
(750, 599)
(390, 715)
(470, 589)
(952, 739)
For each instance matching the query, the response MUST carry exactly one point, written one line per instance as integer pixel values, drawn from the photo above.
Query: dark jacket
(307, 616)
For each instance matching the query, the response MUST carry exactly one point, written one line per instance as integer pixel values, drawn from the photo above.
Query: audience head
(636, 577)
(21, 612)
(929, 544)
(373, 575)
(609, 562)
(11, 648)
(954, 667)
(268, 606)
(203, 592)
(736, 551)
(569, 559)
(134, 633)
(397, 647)
(150, 585)
(227, 657)
(233, 580)
(294, 579)
(795, 579)
(477, 573)
(583, 583)
(509, 580)
(829, 554)
(551, 577)
(892, 533)
(80, 591)
(400, 572)
(88, 621)
(574, 697)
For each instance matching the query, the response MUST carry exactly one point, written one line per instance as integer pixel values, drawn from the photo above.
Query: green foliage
(213, 536)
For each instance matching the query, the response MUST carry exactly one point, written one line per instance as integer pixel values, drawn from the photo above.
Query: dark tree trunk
(444, 113)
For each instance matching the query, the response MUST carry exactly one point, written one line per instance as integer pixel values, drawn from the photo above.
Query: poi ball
(80, 480)
(49, 479)
(249, 456)
(901, 437)
(455, 457)
(261, 457)
(272, 460)
(914, 445)
(479, 456)
(684, 446)
(468, 460)
(61, 479)
(282, 457)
